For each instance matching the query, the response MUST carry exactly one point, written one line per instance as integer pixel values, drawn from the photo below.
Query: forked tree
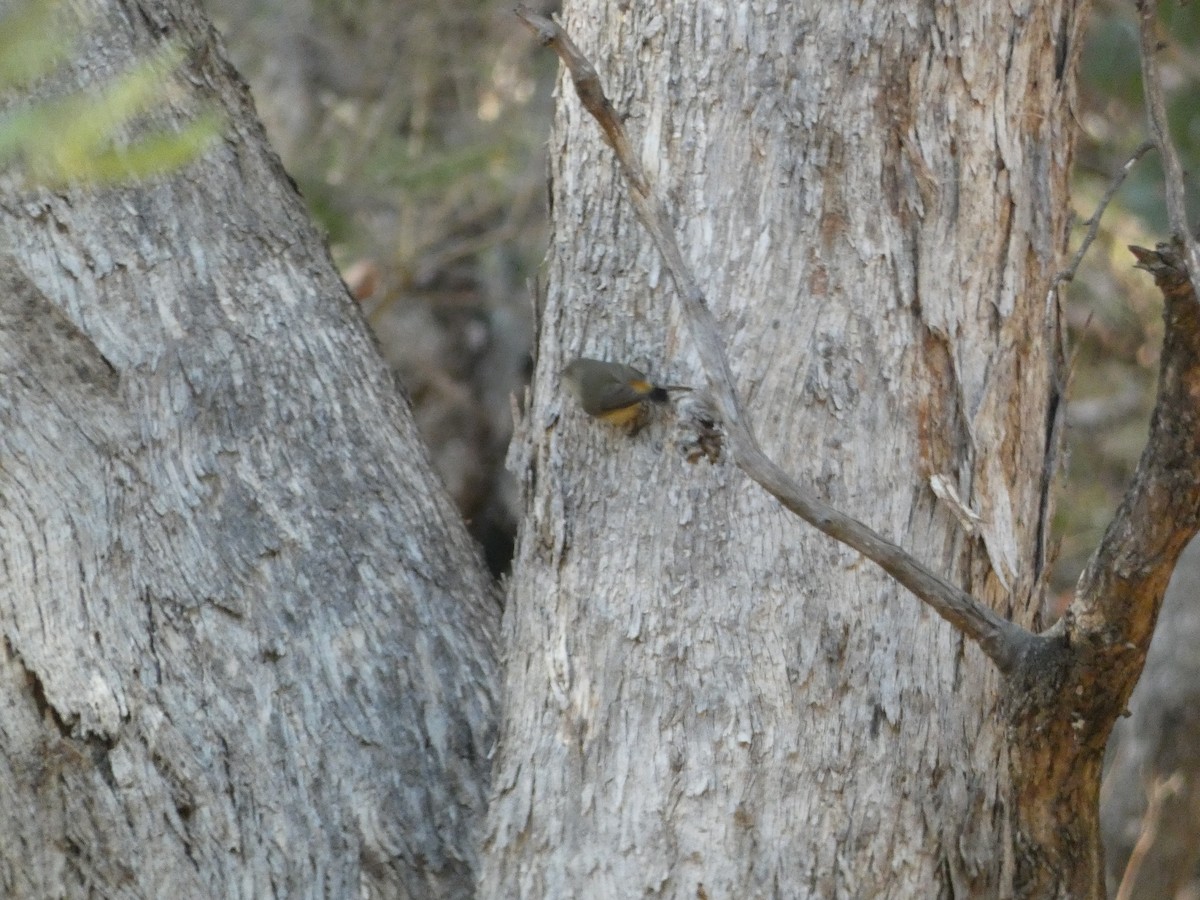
(248, 650)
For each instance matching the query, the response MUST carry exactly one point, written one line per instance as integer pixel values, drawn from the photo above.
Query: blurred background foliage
(417, 131)
(1114, 313)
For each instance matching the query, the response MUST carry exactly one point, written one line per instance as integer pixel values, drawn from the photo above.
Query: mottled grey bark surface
(248, 650)
(705, 697)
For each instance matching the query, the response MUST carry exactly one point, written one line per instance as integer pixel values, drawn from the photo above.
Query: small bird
(615, 392)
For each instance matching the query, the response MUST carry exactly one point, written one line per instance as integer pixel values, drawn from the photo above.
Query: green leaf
(31, 44)
(161, 152)
(77, 138)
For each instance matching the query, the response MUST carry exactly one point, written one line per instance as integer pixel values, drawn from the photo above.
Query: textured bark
(248, 648)
(1064, 699)
(705, 696)
(374, 107)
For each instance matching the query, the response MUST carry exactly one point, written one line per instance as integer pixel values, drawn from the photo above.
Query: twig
(1093, 223)
(1068, 274)
(1003, 641)
(1163, 790)
(1156, 115)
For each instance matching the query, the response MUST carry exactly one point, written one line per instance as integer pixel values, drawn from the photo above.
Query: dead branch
(1004, 642)
(1156, 115)
(1093, 224)
(1160, 792)
(1119, 593)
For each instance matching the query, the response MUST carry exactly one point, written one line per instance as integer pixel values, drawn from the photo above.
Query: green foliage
(79, 137)
(29, 44)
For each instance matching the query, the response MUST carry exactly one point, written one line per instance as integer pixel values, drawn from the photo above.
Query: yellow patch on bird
(624, 415)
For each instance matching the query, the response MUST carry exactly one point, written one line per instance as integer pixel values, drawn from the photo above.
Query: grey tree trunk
(248, 648)
(705, 697)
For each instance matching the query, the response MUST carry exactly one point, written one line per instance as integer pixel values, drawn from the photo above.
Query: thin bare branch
(1093, 223)
(1003, 641)
(1156, 114)
(1163, 789)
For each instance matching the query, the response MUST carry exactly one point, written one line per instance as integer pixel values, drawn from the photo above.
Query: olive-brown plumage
(614, 392)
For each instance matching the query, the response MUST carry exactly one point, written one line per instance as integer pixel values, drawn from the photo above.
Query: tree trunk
(706, 697)
(248, 648)
(1152, 784)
